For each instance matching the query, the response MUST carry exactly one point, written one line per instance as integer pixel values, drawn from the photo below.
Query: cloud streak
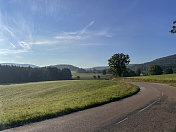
(22, 40)
(12, 45)
(9, 30)
(84, 33)
(8, 51)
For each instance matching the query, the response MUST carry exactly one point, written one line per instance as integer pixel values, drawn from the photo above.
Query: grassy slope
(29, 102)
(166, 78)
(89, 76)
(159, 77)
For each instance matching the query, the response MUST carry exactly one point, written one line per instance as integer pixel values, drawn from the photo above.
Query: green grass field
(89, 76)
(165, 78)
(171, 77)
(30, 102)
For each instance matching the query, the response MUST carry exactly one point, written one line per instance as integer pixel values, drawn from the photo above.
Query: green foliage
(94, 77)
(98, 76)
(128, 73)
(78, 77)
(29, 102)
(165, 62)
(173, 28)
(165, 78)
(104, 72)
(168, 71)
(14, 74)
(137, 72)
(155, 70)
(173, 84)
(117, 63)
(89, 76)
(174, 71)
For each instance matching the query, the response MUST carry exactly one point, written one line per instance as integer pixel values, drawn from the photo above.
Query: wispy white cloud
(77, 35)
(25, 45)
(84, 33)
(8, 51)
(44, 42)
(12, 45)
(90, 44)
(103, 33)
(70, 37)
(8, 29)
(22, 39)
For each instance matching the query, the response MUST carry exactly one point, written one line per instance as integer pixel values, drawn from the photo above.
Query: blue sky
(85, 33)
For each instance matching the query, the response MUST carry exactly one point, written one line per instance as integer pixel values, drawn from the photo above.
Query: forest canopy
(15, 74)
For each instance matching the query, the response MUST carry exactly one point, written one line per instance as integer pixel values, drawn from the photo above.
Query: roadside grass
(89, 76)
(31, 102)
(165, 78)
(173, 84)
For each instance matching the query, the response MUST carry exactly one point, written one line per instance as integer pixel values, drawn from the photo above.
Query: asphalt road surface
(153, 109)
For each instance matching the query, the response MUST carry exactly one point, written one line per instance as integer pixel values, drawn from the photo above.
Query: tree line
(118, 67)
(16, 74)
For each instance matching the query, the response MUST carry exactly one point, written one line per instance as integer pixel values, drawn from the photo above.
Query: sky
(85, 33)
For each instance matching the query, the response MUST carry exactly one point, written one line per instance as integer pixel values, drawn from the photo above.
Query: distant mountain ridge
(20, 65)
(98, 68)
(164, 62)
(71, 67)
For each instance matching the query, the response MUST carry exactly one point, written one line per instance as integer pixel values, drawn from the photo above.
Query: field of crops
(30, 102)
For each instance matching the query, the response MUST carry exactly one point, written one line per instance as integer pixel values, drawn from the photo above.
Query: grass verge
(166, 78)
(173, 84)
(31, 102)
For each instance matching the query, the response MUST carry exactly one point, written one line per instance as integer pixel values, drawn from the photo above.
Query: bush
(137, 72)
(168, 71)
(128, 73)
(155, 70)
(98, 76)
(174, 70)
(104, 72)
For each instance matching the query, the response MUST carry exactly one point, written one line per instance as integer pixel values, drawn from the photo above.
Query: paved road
(152, 109)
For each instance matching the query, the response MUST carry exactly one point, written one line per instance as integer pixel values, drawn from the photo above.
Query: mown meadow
(31, 102)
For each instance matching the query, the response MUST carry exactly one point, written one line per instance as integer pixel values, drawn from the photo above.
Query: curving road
(152, 109)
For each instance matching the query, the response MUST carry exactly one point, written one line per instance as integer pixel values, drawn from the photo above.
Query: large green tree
(117, 63)
(173, 28)
(155, 70)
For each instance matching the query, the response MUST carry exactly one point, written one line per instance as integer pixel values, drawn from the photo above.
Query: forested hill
(164, 62)
(62, 66)
(71, 67)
